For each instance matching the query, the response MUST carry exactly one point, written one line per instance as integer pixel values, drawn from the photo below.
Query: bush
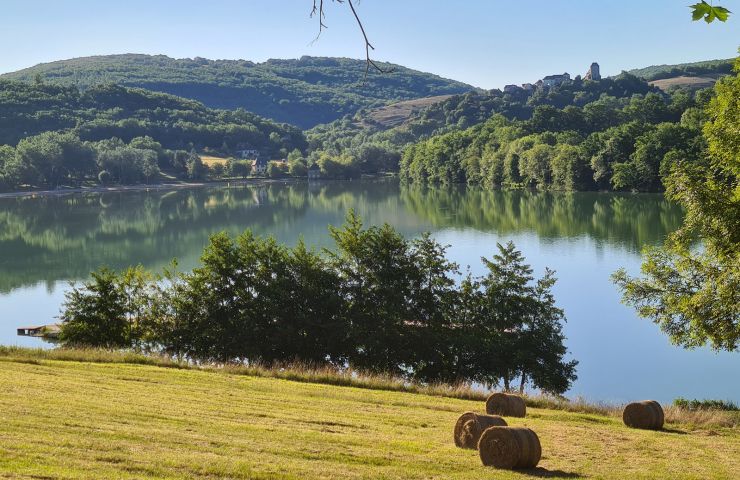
(723, 405)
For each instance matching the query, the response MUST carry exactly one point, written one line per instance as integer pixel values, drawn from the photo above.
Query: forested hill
(107, 111)
(304, 92)
(705, 68)
(52, 135)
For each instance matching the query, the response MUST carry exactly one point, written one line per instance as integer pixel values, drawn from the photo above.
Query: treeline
(53, 133)
(52, 159)
(611, 143)
(376, 302)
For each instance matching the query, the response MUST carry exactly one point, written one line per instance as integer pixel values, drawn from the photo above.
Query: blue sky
(487, 43)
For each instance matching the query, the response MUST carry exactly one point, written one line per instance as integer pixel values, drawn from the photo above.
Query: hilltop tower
(593, 72)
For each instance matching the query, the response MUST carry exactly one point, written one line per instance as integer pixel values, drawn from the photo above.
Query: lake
(47, 242)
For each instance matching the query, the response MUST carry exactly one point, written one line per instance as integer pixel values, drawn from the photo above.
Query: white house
(259, 166)
(248, 154)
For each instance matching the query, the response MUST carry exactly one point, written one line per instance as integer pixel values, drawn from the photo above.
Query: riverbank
(129, 420)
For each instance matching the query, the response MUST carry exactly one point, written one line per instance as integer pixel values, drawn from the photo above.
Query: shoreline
(170, 186)
(154, 186)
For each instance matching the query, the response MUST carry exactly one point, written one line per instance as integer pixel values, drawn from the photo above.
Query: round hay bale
(647, 415)
(506, 405)
(470, 426)
(509, 448)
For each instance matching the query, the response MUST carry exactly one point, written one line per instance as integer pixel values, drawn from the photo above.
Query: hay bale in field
(506, 405)
(509, 447)
(470, 426)
(647, 415)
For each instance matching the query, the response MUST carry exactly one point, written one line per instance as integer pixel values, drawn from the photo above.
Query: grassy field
(72, 419)
(397, 113)
(210, 161)
(691, 82)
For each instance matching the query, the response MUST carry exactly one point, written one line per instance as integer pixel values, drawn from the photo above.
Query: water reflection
(63, 238)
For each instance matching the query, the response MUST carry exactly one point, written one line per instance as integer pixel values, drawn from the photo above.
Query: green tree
(570, 169)
(520, 328)
(148, 164)
(375, 268)
(298, 169)
(434, 306)
(42, 158)
(10, 168)
(195, 167)
(95, 314)
(238, 168)
(277, 169)
(692, 294)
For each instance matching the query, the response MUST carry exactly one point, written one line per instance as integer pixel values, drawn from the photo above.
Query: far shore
(145, 187)
(167, 186)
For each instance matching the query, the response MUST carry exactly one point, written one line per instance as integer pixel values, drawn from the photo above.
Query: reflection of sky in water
(621, 356)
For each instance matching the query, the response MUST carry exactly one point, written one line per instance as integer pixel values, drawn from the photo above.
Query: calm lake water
(47, 242)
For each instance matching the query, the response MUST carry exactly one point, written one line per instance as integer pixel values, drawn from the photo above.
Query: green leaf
(709, 12)
(700, 10)
(722, 13)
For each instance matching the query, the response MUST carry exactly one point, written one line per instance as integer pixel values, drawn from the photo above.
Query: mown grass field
(69, 419)
(210, 161)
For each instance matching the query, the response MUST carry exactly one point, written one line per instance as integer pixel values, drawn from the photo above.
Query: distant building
(314, 172)
(248, 154)
(593, 72)
(552, 80)
(259, 166)
(511, 88)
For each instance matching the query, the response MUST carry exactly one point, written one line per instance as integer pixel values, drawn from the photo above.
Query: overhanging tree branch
(318, 11)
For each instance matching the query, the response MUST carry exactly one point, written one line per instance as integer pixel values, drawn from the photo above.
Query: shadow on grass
(541, 472)
(672, 430)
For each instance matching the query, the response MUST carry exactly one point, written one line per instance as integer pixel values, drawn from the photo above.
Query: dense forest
(52, 135)
(610, 134)
(303, 92)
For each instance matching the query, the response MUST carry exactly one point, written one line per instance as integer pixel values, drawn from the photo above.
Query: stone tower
(593, 72)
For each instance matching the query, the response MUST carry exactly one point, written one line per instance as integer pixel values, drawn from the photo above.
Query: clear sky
(487, 43)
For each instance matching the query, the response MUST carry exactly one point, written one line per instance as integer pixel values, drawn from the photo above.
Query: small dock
(41, 331)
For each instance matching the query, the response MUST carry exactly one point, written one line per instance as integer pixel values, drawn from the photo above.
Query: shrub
(723, 405)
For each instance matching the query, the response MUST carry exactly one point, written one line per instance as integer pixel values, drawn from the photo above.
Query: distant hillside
(107, 111)
(303, 92)
(709, 68)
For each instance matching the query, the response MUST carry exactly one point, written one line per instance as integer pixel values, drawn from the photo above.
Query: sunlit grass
(351, 378)
(210, 161)
(97, 414)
